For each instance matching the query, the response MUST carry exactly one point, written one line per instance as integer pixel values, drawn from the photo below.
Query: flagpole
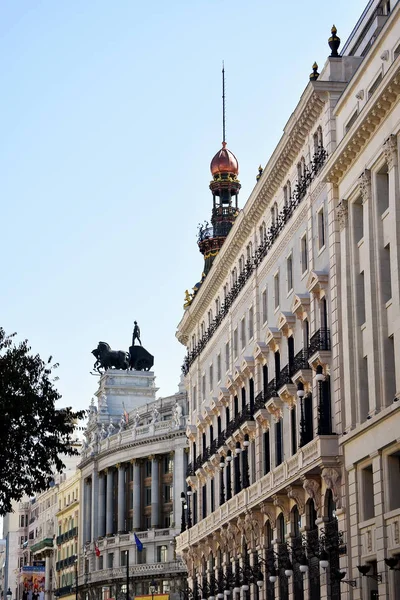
(127, 575)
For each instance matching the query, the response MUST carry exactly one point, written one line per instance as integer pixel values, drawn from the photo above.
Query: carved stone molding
(286, 323)
(262, 417)
(282, 502)
(301, 306)
(313, 490)
(365, 185)
(269, 510)
(342, 211)
(274, 407)
(390, 151)
(273, 338)
(333, 478)
(317, 283)
(260, 352)
(248, 366)
(297, 494)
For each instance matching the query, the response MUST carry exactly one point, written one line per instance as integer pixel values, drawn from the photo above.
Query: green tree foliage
(34, 434)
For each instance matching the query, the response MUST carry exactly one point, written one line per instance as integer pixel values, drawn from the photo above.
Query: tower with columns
(133, 470)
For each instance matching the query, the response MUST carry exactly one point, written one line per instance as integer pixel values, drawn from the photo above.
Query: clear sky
(110, 114)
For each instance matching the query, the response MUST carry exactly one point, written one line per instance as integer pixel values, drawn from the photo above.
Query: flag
(97, 550)
(126, 416)
(138, 543)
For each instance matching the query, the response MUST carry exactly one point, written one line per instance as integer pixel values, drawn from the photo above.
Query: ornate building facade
(133, 468)
(293, 365)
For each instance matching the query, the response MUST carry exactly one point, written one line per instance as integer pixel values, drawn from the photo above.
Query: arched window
(217, 305)
(295, 521)
(289, 189)
(210, 317)
(234, 276)
(276, 213)
(281, 529)
(285, 196)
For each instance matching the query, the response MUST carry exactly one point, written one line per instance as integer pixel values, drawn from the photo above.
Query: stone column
(101, 527)
(95, 504)
(178, 483)
(155, 494)
(109, 503)
(121, 498)
(137, 517)
(47, 594)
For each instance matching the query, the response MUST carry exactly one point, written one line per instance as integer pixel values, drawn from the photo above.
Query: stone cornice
(274, 175)
(367, 122)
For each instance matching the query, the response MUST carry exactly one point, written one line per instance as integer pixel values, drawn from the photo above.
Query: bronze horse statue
(107, 358)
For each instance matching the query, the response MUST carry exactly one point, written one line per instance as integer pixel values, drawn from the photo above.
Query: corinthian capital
(365, 185)
(390, 151)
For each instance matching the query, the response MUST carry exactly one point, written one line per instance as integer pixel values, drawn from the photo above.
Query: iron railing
(320, 340)
(261, 252)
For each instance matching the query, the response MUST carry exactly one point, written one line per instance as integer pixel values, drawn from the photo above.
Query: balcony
(321, 450)
(136, 571)
(64, 591)
(321, 340)
(46, 544)
(68, 535)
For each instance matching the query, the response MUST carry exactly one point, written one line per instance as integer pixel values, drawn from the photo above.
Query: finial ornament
(260, 172)
(334, 42)
(314, 75)
(223, 105)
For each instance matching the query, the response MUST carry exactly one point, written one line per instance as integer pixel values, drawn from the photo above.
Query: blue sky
(110, 114)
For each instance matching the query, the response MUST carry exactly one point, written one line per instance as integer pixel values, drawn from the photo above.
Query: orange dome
(224, 162)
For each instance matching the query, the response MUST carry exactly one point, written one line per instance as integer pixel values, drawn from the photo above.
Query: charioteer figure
(136, 334)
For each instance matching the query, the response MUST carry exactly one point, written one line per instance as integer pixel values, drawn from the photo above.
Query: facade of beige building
(293, 364)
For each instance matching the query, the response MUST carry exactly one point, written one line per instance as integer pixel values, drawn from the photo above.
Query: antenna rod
(223, 102)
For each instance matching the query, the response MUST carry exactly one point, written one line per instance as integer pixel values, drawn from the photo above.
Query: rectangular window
(122, 561)
(203, 385)
(351, 121)
(367, 493)
(227, 358)
(162, 554)
(393, 477)
(167, 493)
(304, 254)
(293, 429)
(374, 86)
(289, 268)
(278, 443)
(235, 343)
(147, 468)
(267, 453)
(276, 289)
(194, 396)
(211, 376)
(110, 560)
(219, 367)
(212, 497)
(321, 229)
(141, 557)
(204, 501)
(264, 305)
(243, 333)
(100, 563)
(251, 322)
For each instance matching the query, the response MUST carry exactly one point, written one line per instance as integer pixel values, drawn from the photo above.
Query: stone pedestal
(121, 391)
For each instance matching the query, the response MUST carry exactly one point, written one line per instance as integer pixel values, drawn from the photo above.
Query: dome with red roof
(224, 162)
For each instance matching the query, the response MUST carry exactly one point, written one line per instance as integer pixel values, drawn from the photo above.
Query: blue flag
(138, 543)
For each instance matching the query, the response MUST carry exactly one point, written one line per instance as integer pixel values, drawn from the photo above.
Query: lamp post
(76, 576)
(221, 481)
(183, 520)
(189, 515)
(9, 594)
(153, 588)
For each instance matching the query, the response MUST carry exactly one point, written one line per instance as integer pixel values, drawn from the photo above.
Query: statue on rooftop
(108, 359)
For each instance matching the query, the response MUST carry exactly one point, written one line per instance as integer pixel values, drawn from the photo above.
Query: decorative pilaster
(178, 480)
(121, 498)
(390, 151)
(365, 185)
(47, 594)
(101, 527)
(155, 492)
(109, 503)
(136, 496)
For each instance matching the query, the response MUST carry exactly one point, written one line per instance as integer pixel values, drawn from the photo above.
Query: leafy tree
(34, 434)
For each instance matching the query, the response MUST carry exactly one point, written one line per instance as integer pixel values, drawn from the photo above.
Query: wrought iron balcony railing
(321, 340)
(261, 252)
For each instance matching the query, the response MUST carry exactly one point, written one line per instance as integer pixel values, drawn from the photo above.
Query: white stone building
(293, 365)
(133, 471)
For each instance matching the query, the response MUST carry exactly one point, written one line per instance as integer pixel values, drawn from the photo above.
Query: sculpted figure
(136, 334)
(122, 423)
(136, 420)
(177, 414)
(156, 416)
(111, 429)
(103, 432)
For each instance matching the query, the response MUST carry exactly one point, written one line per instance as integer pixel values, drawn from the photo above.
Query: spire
(223, 105)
